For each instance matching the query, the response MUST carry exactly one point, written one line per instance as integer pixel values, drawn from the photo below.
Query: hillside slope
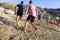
(9, 31)
(54, 12)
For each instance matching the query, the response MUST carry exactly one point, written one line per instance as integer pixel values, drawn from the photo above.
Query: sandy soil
(9, 31)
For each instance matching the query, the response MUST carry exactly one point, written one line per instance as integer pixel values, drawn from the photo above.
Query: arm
(36, 13)
(28, 9)
(15, 9)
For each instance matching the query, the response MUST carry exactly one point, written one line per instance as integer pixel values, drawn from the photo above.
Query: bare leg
(34, 25)
(26, 23)
(39, 22)
(17, 20)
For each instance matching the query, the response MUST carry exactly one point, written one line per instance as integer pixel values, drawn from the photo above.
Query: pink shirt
(33, 10)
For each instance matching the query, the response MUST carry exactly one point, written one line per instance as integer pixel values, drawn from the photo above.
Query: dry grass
(8, 30)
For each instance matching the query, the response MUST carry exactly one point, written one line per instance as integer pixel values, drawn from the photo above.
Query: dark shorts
(30, 18)
(19, 13)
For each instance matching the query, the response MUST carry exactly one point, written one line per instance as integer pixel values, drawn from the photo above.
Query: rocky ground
(9, 31)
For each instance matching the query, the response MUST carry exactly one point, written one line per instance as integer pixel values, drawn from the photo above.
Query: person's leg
(17, 20)
(26, 23)
(20, 16)
(47, 21)
(34, 25)
(39, 22)
(59, 22)
(32, 22)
